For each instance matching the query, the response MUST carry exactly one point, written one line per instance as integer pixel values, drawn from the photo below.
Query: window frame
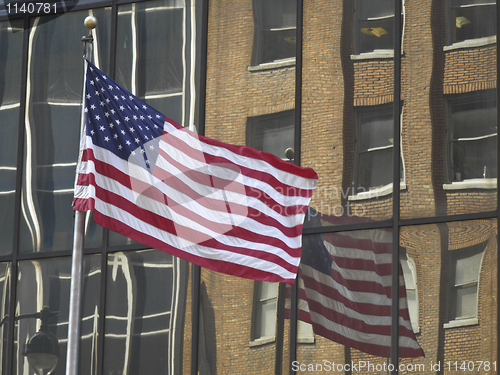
(258, 124)
(385, 189)
(376, 53)
(454, 256)
(471, 98)
(258, 56)
(451, 27)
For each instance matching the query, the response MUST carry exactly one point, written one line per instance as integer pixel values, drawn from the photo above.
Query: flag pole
(75, 303)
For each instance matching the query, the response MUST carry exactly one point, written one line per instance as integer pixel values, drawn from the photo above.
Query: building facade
(396, 114)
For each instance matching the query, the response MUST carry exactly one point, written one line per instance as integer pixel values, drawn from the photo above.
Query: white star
(123, 97)
(134, 117)
(97, 117)
(106, 139)
(117, 121)
(123, 132)
(111, 125)
(88, 96)
(97, 93)
(150, 117)
(101, 128)
(86, 109)
(113, 111)
(108, 100)
(131, 97)
(110, 87)
(144, 106)
(92, 106)
(142, 117)
(122, 108)
(137, 140)
(92, 83)
(116, 97)
(158, 116)
(102, 104)
(151, 147)
(106, 114)
(97, 79)
(127, 119)
(115, 136)
(92, 132)
(128, 143)
(120, 147)
(132, 130)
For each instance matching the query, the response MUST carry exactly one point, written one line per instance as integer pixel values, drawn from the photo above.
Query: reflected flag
(344, 286)
(228, 208)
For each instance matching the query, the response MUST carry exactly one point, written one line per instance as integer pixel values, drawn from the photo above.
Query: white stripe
(197, 250)
(245, 161)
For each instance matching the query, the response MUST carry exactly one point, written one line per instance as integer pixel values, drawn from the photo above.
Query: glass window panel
(275, 30)
(376, 128)
(373, 26)
(374, 169)
(272, 133)
(42, 285)
(471, 20)
(369, 9)
(472, 136)
(5, 285)
(154, 74)
(466, 302)
(53, 129)
(10, 84)
(140, 321)
(467, 268)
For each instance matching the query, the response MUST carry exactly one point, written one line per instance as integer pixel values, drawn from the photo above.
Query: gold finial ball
(90, 22)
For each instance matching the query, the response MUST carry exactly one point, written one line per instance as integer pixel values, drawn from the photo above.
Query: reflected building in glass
(393, 104)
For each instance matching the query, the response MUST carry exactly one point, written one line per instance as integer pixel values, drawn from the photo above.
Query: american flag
(344, 286)
(228, 208)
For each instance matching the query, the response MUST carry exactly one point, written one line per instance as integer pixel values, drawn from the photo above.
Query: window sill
(377, 54)
(461, 323)
(272, 65)
(305, 340)
(470, 43)
(376, 193)
(261, 341)
(474, 183)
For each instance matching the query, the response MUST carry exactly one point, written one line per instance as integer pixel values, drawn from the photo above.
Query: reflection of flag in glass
(344, 288)
(231, 209)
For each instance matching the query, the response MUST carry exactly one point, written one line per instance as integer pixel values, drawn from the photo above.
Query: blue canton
(119, 121)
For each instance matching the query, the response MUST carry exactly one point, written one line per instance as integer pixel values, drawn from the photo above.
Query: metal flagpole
(75, 308)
